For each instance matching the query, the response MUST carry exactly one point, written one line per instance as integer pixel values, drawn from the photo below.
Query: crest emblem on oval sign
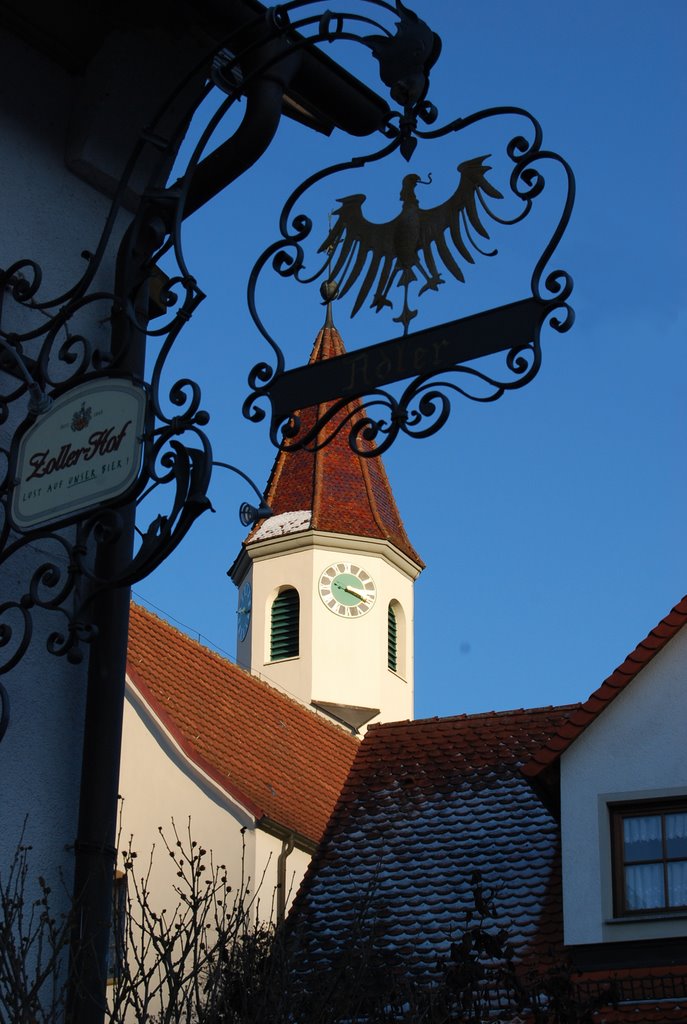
(82, 417)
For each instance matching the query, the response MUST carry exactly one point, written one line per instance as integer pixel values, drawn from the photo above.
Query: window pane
(644, 887)
(676, 835)
(642, 838)
(677, 884)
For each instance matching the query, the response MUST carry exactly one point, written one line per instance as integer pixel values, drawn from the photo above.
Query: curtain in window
(643, 882)
(644, 886)
(642, 838)
(643, 841)
(676, 834)
(677, 884)
(676, 846)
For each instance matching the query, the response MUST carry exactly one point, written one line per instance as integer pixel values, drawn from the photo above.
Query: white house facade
(624, 788)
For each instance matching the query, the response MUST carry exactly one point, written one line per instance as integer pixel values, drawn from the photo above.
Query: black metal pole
(94, 849)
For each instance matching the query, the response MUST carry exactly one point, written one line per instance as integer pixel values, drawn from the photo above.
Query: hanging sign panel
(85, 451)
(430, 351)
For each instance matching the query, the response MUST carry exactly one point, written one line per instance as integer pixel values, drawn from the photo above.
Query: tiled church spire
(343, 492)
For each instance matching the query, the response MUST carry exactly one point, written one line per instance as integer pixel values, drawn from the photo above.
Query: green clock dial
(347, 590)
(244, 609)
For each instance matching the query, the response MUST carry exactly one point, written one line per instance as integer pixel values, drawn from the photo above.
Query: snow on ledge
(283, 524)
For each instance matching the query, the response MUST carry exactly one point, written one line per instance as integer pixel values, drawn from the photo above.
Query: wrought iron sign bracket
(52, 347)
(410, 253)
(337, 382)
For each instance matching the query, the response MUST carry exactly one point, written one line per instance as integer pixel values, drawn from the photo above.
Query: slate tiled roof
(279, 759)
(426, 804)
(609, 689)
(344, 492)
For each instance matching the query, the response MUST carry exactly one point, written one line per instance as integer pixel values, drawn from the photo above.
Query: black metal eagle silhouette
(405, 245)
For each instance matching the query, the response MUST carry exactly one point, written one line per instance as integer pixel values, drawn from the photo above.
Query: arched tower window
(392, 637)
(396, 639)
(284, 630)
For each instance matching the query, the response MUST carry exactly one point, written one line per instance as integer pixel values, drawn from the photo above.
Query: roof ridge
(605, 694)
(465, 716)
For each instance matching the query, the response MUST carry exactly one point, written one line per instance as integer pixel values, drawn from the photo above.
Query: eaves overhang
(185, 752)
(275, 546)
(273, 828)
(322, 96)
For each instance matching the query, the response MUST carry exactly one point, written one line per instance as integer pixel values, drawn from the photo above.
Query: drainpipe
(286, 849)
(264, 104)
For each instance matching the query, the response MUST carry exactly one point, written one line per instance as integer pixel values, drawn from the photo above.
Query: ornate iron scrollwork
(49, 342)
(408, 249)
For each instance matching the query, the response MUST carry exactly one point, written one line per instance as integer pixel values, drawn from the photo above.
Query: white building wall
(634, 750)
(48, 215)
(161, 787)
(158, 785)
(268, 849)
(65, 137)
(341, 661)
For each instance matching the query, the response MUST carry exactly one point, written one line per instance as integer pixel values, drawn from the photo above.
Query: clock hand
(357, 593)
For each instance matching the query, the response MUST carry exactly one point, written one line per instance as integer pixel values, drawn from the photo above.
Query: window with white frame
(649, 844)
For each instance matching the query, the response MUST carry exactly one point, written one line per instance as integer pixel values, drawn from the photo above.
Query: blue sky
(551, 521)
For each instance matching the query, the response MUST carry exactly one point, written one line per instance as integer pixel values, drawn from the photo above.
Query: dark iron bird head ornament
(406, 58)
(404, 247)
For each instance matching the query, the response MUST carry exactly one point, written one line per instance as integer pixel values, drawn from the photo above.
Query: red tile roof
(647, 995)
(426, 804)
(650, 1012)
(667, 628)
(280, 760)
(346, 493)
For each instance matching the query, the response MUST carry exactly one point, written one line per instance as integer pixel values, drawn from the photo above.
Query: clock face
(243, 610)
(347, 590)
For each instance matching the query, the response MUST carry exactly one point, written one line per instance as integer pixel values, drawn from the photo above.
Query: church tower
(325, 605)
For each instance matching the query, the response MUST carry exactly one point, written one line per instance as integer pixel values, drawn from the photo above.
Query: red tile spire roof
(280, 760)
(344, 492)
(643, 653)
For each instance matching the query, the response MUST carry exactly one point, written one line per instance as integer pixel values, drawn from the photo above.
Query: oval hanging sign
(85, 451)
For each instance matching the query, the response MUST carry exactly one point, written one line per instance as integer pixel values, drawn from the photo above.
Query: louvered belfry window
(393, 641)
(284, 631)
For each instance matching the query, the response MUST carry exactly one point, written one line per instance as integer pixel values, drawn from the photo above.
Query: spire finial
(329, 290)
